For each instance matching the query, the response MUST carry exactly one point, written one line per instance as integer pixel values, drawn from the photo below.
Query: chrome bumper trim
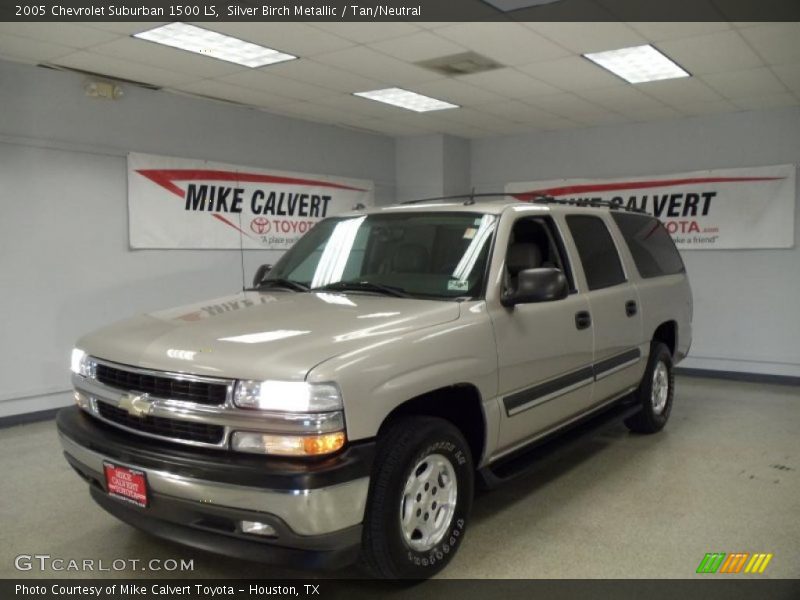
(306, 512)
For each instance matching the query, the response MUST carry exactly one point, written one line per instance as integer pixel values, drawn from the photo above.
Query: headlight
(287, 396)
(81, 364)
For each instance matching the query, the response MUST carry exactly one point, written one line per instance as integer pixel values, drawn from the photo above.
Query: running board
(523, 460)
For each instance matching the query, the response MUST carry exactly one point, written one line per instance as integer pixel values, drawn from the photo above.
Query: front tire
(655, 392)
(420, 497)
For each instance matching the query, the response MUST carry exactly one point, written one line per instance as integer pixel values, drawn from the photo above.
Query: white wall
(65, 265)
(746, 301)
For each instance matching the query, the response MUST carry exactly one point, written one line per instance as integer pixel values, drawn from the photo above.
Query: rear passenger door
(613, 305)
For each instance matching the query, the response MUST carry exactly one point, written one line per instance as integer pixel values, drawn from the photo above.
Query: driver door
(544, 349)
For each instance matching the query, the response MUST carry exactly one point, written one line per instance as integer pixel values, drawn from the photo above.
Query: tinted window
(651, 246)
(597, 251)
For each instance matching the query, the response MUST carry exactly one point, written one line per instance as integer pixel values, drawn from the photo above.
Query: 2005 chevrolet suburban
(344, 407)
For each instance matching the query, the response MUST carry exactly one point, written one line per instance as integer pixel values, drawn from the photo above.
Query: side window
(596, 249)
(535, 244)
(651, 246)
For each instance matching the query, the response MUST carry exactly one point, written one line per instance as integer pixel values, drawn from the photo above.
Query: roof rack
(470, 199)
(585, 203)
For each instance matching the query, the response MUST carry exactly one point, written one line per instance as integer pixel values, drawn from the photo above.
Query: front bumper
(198, 497)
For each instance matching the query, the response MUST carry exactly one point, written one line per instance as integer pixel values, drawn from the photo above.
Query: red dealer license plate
(125, 483)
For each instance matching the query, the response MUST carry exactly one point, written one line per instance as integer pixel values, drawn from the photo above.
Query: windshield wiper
(284, 283)
(365, 286)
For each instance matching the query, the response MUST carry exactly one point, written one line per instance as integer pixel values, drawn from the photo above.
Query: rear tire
(655, 393)
(419, 499)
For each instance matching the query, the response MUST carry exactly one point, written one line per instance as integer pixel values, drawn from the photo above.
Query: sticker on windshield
(470, 233)
(458, 285)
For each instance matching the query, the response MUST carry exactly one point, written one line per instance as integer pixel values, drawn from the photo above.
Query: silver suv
(344, 408)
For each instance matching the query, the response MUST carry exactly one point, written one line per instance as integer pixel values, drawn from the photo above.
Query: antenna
(241, 252)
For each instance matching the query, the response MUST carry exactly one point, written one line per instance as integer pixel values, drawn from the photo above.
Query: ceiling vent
(465, 63)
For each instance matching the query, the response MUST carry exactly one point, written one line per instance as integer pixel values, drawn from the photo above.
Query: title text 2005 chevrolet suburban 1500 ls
(344, 407)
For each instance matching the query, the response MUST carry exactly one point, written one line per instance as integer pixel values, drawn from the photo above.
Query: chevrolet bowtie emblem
(137, 405)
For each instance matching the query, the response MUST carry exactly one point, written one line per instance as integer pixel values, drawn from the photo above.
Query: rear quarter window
(651, 246)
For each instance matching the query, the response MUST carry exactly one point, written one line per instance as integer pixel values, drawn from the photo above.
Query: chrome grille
(170, 387)
(161, 427)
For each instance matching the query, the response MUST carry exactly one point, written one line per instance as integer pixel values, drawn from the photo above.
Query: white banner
(184, 203)
(702, 210)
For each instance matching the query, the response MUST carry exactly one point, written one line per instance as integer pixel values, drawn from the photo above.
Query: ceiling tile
(789, 75)
(622, 99)
(312, 111)
(173, 59)
(295, 38)
(581, 38)
(235, 93)
(572, 73)
(457, 92)
(520, 112)
(310, 71)
(602, 118)
(30, 50)
(711, 53)
(768, 101)
(364, 33)
(750, 82)
(362, 106)
(660, 31)
(507, 43)
(259, 79)
(678, 92)
(777, 43)
(652, 114)
(416, 47)
(509, 82)
(388, 127)
(474, 117)
(375, 65)
(123, 69)
(65, 34)
(708, 108)
(124, 27)
(569, 106)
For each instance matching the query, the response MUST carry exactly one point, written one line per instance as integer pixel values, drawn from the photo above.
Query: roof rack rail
(585, 203)
(470, 199)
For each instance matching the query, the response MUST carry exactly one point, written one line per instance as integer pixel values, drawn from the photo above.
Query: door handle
(631, 308)
(583, 319)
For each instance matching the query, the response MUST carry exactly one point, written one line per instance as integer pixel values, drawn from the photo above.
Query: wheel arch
(667, 333)
(460, 404)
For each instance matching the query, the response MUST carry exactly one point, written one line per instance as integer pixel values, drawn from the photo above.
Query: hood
(252, 335)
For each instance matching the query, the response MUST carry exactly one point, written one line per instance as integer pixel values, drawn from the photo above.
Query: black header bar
(399, 10)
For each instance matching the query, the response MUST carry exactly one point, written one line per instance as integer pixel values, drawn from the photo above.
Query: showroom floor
(723, 477)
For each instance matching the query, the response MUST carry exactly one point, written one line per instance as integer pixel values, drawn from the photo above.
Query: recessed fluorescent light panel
(405, 99)
(213, 44)
(510, 5)
(638, 64)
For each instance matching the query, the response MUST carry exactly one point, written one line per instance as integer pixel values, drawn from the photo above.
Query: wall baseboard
(739, 376)
(25, 418)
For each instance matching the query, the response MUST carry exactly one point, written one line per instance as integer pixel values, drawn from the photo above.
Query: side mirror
(261, 272)
(537, 285)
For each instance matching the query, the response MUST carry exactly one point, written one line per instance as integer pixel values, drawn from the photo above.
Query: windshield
(436, 255)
